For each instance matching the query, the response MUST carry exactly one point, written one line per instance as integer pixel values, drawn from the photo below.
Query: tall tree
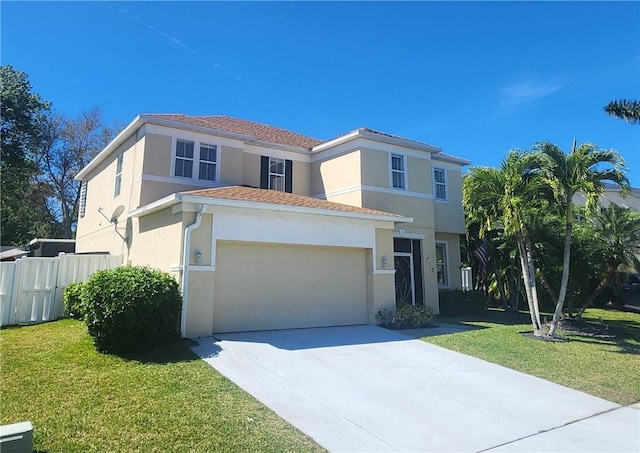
(69, 146)
(24, 214)
(583, 170)
(504, 197)
(628, 110)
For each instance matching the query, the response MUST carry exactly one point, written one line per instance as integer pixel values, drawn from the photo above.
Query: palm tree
(624, 109)
(502, 197)
(617, 233)
(583, 170)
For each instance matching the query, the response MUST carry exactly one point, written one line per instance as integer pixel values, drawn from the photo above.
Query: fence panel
(78, 268)
(36, 284)
(31, 289)
(7, 273)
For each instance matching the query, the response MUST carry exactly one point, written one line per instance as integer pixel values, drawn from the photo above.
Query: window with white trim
(440, 184)
(208, 162)
(118, 181)
(398, 173)
(82, 205)
(276, 174)
(184, 159)
(442, 264)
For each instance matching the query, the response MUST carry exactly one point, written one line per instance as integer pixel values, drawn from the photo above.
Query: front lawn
(602, 356)
(166, 400)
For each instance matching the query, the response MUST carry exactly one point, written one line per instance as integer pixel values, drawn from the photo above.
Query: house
(266, 228)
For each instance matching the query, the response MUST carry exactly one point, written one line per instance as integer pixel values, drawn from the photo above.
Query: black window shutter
(264, 172)
(288, 176)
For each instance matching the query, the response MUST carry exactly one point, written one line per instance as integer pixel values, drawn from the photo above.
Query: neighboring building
(613, 194)
(39, 248)
(268, 229)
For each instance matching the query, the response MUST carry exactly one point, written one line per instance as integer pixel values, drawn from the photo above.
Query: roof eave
(196, 199)
(358, 133)
(119, 139)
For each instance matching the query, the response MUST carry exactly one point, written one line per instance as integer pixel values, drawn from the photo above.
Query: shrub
(406, 316)
(456, 302)
(73, 305)
(409, 316)
(131, 308)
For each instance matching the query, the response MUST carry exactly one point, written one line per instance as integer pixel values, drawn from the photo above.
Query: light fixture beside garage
(383, 262)
(199, 257)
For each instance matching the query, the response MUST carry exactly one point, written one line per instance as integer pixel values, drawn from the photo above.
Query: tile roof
(260, 131)
(253, 194)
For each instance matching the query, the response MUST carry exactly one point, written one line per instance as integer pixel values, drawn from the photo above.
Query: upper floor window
(276, 174)
(398, 174)
(118, 182)
(440, 184)
(196, 160)
(208, 162)
(184, 159)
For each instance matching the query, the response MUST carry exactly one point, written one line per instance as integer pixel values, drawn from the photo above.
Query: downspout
(185, 267)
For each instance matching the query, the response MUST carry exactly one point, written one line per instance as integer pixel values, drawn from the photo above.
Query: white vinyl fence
(31, 289)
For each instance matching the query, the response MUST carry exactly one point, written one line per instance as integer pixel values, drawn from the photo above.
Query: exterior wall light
(199, 257)
(383, 262)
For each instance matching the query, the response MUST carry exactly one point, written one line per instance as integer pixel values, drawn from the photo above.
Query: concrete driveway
(365, 388)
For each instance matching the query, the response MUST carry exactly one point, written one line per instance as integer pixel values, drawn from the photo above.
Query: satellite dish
(116, 213)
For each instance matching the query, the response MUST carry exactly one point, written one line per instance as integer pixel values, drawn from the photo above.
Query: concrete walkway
(365, 388)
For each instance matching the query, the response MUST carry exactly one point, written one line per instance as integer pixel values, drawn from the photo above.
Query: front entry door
(407, 254)
(404, 278)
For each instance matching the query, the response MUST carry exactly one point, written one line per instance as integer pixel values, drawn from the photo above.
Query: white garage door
(267, 287)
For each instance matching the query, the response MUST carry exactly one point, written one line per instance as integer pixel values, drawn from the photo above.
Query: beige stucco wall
(375, 167)
(157, 155)
(95, 232)
(384, 248)
(421, 209)
(231, 165)
(449, 216)
(419, 175)
(336, 173)
(157, 240)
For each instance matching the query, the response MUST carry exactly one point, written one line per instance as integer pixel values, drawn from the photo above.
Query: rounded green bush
(131, 308)
(409, 316)
(73, 305)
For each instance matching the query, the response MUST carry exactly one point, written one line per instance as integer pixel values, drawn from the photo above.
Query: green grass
(605, 366)
(166, 400)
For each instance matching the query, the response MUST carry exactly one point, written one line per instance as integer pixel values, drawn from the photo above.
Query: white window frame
(393, 171)
(282, 176)
(208, 162)
(437, 184)
(445, 264)
(195, 161)
(117, 188)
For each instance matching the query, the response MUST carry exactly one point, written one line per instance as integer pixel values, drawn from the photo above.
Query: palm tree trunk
(526, 277)
(564, 283)
(532, 274)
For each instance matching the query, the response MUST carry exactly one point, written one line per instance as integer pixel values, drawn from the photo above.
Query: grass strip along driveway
(601, 356)
(165, 400)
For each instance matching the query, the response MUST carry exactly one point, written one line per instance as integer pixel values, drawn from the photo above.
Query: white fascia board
(449, 158)
(113, 144)
(178, 198)
(157, 205)
(378, 138)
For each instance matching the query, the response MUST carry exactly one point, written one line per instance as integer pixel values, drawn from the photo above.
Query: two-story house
(269, 229)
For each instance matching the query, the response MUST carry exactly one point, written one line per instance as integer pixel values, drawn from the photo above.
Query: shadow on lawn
(178, 351)
(493, 316)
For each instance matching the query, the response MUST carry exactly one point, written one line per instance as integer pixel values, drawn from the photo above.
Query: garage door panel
(265, 286)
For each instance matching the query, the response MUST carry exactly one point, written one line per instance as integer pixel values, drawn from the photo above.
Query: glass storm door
(404, 278)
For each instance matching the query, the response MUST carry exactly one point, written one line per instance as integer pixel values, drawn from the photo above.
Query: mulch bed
(576, 328)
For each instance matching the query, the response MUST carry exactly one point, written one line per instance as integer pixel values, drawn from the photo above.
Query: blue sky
(474, 78)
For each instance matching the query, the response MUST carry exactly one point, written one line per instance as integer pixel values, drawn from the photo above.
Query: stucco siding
(336, 174)
(421, 209)
(375, 168)
(157, 155)
(231, 166)
(449, 216)
(157, 240)
(454, 263)
(419, 175)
